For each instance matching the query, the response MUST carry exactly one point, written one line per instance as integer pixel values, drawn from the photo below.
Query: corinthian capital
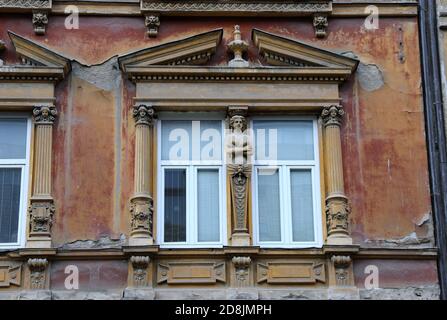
(332, 115)
(44, 114)
(143, 114)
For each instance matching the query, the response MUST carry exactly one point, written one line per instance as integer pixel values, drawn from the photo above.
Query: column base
(38, 243)
(240, 239)
(140, 241)
(339, 240)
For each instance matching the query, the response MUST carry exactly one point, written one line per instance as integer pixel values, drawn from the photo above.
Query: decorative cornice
(301, 8)
(35, 54)
(227, 74)
(271, 45)
(195, 50)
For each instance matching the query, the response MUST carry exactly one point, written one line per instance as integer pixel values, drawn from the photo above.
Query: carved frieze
(44, 114)
(191, 272)
(41, 218)
(25, 4)
(290, 272)
(10, 274)
(238, 6)
(140, 265)
(37, 268)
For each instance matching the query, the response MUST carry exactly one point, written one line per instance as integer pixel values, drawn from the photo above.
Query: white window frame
(191, 168)
(285, 191)
(24, 164)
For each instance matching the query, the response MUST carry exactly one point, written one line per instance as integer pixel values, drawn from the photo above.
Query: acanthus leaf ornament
(41, 218)
(140, 265)
(37, 268)
(141, 210)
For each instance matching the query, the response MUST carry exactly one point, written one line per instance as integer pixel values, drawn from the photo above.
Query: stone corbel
(320, 24)
(242, 272)
(37, 273)
(40, 21)
(152, 22)
(42, 209)
(238, 152)
(337, 204)
(141, 204)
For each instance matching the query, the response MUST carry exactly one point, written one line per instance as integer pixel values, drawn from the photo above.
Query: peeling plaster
(104, 242)
(370, 76)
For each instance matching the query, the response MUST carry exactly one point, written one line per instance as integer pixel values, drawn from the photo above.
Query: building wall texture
(383, 139)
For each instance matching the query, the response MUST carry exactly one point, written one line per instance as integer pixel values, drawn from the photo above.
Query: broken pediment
(280, 51)
(37, 56)
(195, 50)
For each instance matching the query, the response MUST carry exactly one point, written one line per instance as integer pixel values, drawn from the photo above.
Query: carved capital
(333, 115)
(337, 215)
(41, 218)
(44, 114)
(141, 210)
(40, 21)
(143, 114)
(320, 24)
(341, 267)
(37, 268)
(140, 266)
(152, 22)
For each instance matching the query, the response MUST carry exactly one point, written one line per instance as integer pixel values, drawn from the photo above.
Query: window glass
(269, 205)
(9, 204)
(175, 205)
(13, 138)
(302, 205)
(208, 204)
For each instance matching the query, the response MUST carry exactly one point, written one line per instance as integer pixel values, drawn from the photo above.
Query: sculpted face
(45, 112)
(238, 123)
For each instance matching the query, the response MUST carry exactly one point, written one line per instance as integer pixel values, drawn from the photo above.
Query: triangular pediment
(34, 54)
(195, 50)
(280, 51)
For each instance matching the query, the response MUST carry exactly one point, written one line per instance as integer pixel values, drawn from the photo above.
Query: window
(14, 164)
(191, 187)
(286, 183)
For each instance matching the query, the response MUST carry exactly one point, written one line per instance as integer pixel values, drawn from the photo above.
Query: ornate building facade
(99, 199)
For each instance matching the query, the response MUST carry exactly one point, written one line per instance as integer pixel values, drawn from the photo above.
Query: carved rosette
(143, 114)
(40, 21)
(141, 210)
(37, 268)
(333, 115)
(341, 267)
(140, 266)
(44, 114)
(242, 270)
(320, 24)
(152, 22)
(41, 218)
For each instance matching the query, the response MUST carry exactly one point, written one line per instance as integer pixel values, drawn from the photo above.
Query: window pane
(268, 205)
(175, 205)
(13, 138)
(191, 140)
(9, 204)
(284, 140)
(208, 205)
(302, 206)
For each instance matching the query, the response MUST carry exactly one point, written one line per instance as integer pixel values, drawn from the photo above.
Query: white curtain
(302, 205)
(268, 205)
(13, 138)
(208, 205)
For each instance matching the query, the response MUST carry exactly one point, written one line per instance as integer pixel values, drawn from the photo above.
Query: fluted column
(141, 204)
(337, 206)
(41, 209)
